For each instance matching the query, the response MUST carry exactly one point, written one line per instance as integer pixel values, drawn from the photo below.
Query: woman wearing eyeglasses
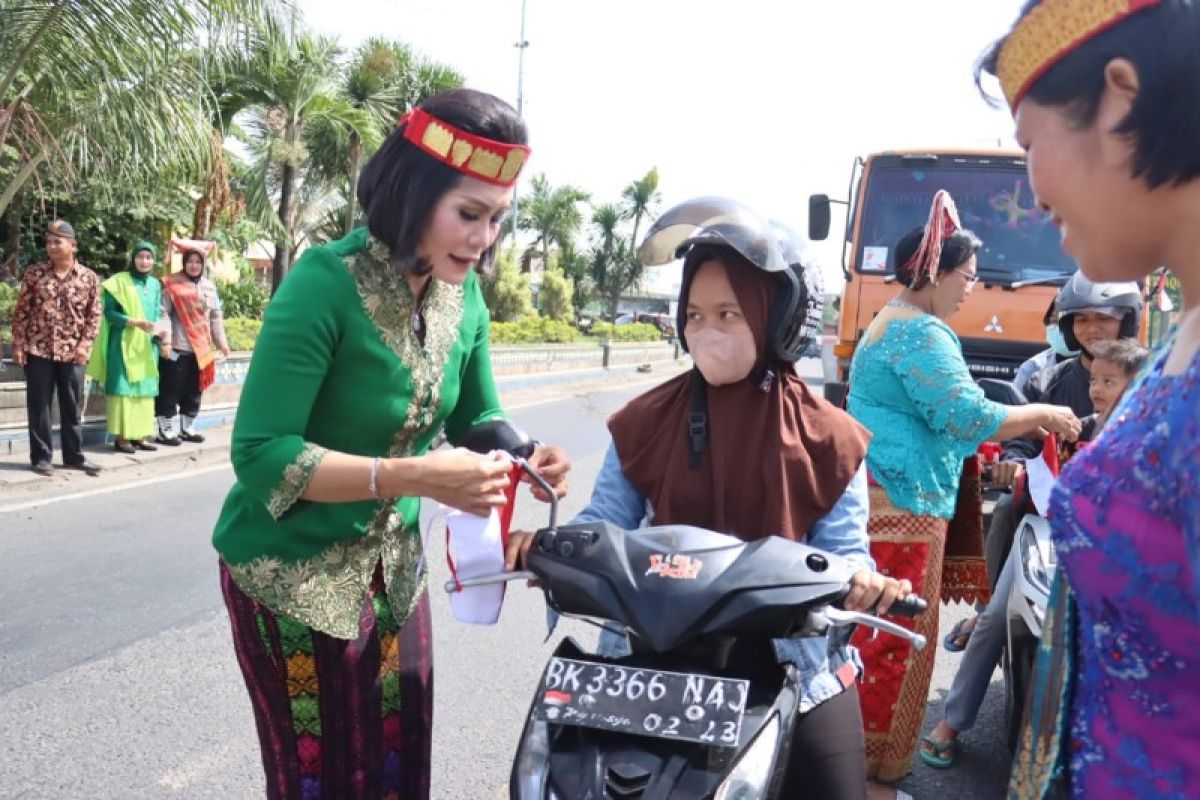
(910, 386)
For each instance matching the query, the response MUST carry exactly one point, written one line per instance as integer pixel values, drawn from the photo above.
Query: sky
(762, 101)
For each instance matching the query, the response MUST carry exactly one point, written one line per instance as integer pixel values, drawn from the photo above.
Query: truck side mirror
(818, 217)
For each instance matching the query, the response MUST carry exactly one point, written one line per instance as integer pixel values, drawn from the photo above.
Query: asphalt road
(118, 680)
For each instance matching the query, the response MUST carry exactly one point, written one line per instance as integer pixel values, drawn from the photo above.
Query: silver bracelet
(372, 485)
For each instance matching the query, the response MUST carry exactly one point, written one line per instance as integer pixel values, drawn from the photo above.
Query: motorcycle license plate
(644, 702)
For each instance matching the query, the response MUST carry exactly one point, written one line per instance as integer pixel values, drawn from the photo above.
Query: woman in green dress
(125, 357)
(370, 347)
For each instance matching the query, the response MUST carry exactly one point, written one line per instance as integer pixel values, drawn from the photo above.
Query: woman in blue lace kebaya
(910, 386)
(1104, 99)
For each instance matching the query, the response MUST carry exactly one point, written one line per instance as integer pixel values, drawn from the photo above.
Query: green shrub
(242, 333)
(243, 298)
(8, 301)
(635, 332)
(506, 291)
(533, 330)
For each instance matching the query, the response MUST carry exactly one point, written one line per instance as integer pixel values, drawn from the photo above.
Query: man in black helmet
(1088, 313)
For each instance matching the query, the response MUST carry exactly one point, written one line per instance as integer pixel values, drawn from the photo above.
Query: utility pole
(521, 44)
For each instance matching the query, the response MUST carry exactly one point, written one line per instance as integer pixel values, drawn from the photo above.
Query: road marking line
(187, 473)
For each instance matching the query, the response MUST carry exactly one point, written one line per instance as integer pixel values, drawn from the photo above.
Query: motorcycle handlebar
(910, 606)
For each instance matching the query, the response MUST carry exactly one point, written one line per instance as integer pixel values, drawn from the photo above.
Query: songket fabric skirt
(896, 676)
(338, 719)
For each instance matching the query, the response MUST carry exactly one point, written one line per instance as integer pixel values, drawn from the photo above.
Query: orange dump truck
(1021, 265)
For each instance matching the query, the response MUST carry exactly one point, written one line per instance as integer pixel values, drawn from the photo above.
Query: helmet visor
(718, 221)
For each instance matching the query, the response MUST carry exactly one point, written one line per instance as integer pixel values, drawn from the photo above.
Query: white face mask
(1054, 336)
(723, 358)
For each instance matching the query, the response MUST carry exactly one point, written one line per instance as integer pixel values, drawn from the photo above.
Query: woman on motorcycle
(741, 445)
(1104, 99)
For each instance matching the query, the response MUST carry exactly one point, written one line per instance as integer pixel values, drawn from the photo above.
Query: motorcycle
(1025, 607)
(701, 707)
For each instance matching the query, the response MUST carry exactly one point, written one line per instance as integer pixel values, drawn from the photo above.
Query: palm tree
(639, 200)
(553, 213)
(101, 89)
(383, 80)
(293, 83)
(606, 219)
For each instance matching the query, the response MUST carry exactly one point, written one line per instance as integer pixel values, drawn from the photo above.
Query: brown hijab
(778, 459)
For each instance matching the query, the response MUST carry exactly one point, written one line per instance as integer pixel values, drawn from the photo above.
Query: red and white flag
(1042, 473)
(474, 548)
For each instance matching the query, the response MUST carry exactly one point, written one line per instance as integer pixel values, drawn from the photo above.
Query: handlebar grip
(910, 606)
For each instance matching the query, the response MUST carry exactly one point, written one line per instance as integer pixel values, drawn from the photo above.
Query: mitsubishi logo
(994, 326)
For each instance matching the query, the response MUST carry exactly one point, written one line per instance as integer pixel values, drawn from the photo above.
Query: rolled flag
(1161, 297)
(1042, 473)
(474, 548)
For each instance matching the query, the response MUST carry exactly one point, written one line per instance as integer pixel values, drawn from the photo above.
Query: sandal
(943, 753)
(956, 640)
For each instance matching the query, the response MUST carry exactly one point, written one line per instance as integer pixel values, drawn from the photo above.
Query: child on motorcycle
(741, 445)
(1114, 365)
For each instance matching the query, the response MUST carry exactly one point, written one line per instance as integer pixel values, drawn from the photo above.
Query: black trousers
(43, 378)
(178, 386)
(828, 758)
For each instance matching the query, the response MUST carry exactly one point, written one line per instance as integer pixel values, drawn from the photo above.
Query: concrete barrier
(220, 400)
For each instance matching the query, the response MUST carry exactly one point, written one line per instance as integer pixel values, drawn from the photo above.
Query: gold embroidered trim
(389, 302)
(327, 592)
(296, 477)
(1049, 33)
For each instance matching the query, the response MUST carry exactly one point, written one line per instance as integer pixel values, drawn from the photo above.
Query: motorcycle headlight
(533, 762)
(1036, 565)
(752, 773)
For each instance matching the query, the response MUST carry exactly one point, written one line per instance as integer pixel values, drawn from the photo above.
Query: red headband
(943, 223)
(486, 159)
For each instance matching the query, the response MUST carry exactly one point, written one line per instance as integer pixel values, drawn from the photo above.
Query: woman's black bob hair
(957, 249)
(1163, 44)
(401, 184)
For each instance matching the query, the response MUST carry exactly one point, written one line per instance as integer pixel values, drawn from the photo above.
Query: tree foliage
(90, 90)
(557, 295)
(553, 213)
(506, 290)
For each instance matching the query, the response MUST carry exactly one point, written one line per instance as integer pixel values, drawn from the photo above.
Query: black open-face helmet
(795, 317)
(1120, 300)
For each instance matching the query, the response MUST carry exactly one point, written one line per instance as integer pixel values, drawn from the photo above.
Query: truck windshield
(994, 200)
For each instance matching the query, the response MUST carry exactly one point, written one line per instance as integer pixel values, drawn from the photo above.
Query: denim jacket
(843, 532)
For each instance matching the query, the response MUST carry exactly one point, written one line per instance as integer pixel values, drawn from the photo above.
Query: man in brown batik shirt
(55, 322)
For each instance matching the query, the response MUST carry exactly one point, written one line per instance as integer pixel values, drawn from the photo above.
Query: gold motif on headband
(512, 165)
(438, 139)
(461, 151)
(485, 163)
(483, 158)
(1051, 32)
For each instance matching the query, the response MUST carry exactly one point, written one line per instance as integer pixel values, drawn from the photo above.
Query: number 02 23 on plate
(644, 702)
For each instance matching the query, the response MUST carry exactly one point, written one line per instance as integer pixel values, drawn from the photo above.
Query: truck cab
(1021, 265)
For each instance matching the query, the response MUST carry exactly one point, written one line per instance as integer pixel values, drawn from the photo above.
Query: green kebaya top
(339, 366)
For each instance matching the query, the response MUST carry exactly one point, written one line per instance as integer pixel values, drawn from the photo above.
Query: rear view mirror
(498, 434)
(818, 217)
